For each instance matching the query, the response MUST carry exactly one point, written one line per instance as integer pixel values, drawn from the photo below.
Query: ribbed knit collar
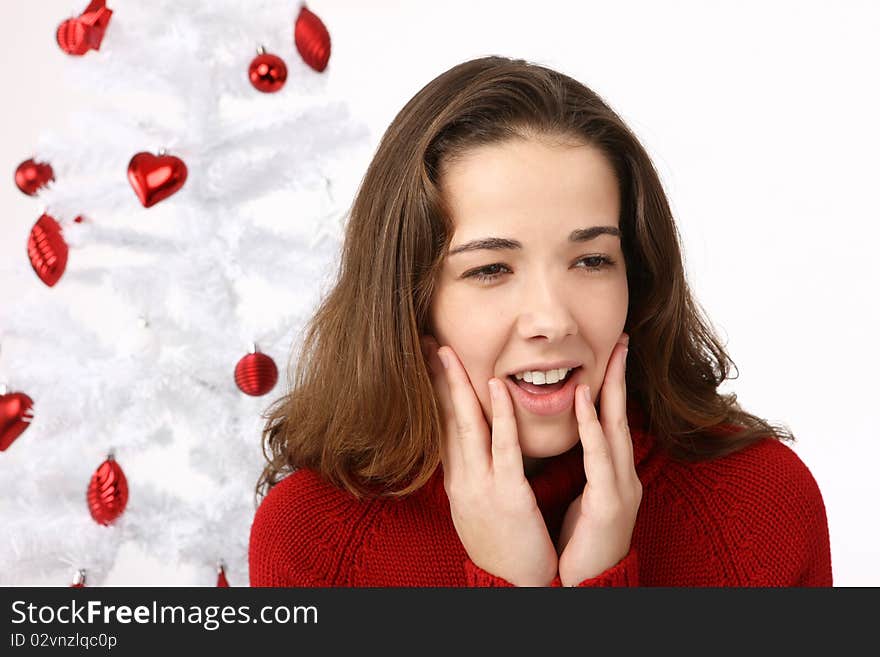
(562, 478)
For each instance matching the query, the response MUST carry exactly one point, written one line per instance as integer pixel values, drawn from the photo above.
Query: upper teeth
(539, 378)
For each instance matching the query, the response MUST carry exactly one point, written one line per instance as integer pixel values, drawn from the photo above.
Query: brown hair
(361, 410)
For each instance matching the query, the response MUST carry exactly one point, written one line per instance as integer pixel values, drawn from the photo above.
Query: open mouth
(546, 388)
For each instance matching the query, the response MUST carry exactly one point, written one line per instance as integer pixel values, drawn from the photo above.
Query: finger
(598, 465)
(613, 413)
(450, 450)
(471, 432)
(507, 463)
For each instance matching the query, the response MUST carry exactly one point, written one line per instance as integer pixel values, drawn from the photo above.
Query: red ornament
(79, 581)
(256, 374)
(30, 176)
(76, 36)
(47, 249)
(16, 414)
(221, 577)
(107, 494)
(267, 72)
(155, 178)
(312, 39)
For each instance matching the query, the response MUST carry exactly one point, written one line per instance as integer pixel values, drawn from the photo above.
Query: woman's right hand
(493, 506)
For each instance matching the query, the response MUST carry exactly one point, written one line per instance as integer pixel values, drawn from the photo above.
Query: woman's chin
(547, 441)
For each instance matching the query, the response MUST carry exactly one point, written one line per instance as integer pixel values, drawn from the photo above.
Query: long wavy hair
(361, 409)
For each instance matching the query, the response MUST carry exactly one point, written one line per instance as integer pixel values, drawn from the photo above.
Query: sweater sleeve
(623, 573)
(477, 577)
(281, 551)
(777, 527)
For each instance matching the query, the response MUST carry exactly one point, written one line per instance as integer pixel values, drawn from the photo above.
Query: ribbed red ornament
(155, 177)
(16, 414)
(221, 578)
(256, 374)
(107, 494)
(312, 39)
(267, 72)
(71, 37)
(47, 249)
(31, 176)
(76, 36)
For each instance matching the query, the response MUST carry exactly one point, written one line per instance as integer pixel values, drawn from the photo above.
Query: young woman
(511, 384)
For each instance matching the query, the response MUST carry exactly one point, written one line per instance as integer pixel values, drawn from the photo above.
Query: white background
(761, 119)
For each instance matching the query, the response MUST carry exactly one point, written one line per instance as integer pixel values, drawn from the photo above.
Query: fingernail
(625, 339)
(625, 352)
(586, 394)
(444, 359)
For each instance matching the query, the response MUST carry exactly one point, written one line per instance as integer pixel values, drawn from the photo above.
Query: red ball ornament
(155, 178)
(30, 176)
(107, 494)
(267, 72)
(76, 36)
(47, 249)
(79, 581)
(256, 374)
(312, 39)
(221, 577)
(16, 414)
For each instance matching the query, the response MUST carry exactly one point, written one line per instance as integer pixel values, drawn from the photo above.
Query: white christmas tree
(133, 349)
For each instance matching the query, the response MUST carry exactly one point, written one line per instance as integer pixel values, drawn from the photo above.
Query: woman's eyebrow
(503, 243)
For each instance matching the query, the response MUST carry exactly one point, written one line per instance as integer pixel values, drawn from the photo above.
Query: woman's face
(550, 295)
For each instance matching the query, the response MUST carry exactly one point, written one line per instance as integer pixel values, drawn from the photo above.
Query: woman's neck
(532, 466)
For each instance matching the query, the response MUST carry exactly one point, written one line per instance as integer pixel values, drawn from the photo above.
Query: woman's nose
(545, 312)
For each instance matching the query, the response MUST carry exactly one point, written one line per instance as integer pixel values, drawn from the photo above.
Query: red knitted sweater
(753, 518)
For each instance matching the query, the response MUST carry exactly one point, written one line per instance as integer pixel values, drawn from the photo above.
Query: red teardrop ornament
(107, 494)
(16, 414)
(155, 177)
(221, 578)
(31, 176)
(312, 39)
(47, 249)
(256, 374)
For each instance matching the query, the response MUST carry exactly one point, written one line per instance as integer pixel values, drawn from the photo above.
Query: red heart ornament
(155, 177)
(16, 414)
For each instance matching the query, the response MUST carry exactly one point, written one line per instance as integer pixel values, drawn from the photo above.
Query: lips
(548, 401)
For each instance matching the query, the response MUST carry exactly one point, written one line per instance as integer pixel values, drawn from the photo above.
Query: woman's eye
(594, 263)
(597, 262)
(486, 273)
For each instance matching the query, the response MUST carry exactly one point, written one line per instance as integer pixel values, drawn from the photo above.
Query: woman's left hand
(597, 528)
